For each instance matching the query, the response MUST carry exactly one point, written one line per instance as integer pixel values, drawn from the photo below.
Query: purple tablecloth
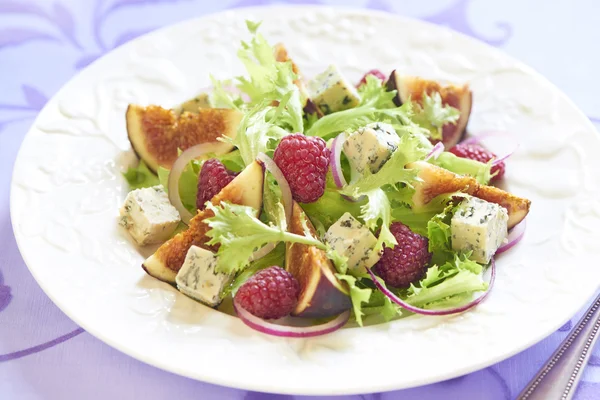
(43, 43)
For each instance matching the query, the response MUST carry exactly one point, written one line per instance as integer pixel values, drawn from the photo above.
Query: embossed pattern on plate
(67, 188)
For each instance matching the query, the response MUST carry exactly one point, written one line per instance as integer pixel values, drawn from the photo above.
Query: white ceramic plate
(67, 189)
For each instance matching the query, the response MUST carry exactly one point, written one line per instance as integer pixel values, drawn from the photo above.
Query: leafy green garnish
(432, 114)
(374, 94)
(464, 166)
(239, 233)
(358, 295)
(188, 183)
(275, 257)
(140, 177)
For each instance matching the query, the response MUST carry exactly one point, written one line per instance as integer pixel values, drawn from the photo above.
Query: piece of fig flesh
(245, 189)
(459, 97)
(321, 293)
(156, 133)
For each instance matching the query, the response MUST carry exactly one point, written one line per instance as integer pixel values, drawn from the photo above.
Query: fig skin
(321, 293)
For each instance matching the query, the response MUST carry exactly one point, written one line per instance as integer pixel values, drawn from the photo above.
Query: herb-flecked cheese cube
(371, 146)
(480, 227)
(353, 240)
(198, 278)
(331, 92)
(148, 215)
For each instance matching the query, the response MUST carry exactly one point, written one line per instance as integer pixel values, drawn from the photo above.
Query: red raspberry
(407, 262)
(213, 177)
(304, 161)
(271, 293)
(375, 72)
(479, 153)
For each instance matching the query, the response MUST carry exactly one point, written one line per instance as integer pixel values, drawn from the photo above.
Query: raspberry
(407, 261)
(478, 153)
(304, 161)
(271, 293)
(375, 72)
(213, 177)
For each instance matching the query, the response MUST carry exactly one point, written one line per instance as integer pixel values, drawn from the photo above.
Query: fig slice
(459, 97)
(321, 293)
(156, 133)
(434, 181)
(246, 189)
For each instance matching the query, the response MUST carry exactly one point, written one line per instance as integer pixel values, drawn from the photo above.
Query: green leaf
(432, 114)
(140, 177)
(464, 166)
(376, 209)
(253, 26)
(373, 93)
(393, 171)
(221, 98)
(276, 257)
(331, 206)
(339, 261)
(358, 295)
(239, 233)
(188, 183)
(462, 283)
(272, 206)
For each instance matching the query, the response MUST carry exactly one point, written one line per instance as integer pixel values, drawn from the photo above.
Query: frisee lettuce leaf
(188, 183)
(464, 166)
(330, 207)
(374, 94)
(275, 257)
(140, 177)
(378, 208)
(239, 233)
(358, 296)
(432, 114)
(393, 171)
(268, 79)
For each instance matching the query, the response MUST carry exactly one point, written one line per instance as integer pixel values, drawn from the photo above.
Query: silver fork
(558, 378)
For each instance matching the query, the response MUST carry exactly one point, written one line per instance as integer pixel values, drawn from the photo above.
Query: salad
(310, 203)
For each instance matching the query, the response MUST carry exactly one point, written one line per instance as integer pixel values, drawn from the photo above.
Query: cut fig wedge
(459, 97)
(435, 181)
(321, 293)
(194, 105)
(156, 133)
(246, 189)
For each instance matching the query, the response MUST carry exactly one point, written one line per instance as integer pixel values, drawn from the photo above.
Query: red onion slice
(179, 165)
(335, 160)
(423, 311)
(286, 192)
(270, 328)
(514, 236)
(436, 151)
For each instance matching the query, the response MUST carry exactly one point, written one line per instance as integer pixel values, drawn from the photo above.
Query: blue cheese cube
(353, 240)
(198, 278)
(148, 215)
(371, 146)
(480, 227)
(331, 92)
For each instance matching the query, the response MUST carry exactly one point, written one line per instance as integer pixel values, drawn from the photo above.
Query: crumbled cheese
(353, 240)
(198, 278)
(480, 227)
(331, 92)
(371, 146)
(148, 215)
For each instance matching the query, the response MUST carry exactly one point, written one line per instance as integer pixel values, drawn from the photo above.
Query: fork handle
(558, 378)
